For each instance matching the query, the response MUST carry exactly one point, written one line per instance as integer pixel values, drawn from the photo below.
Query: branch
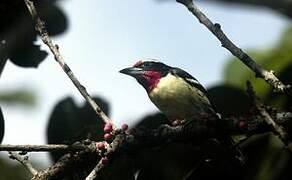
(38, 148)
(41, 29)
(267, 118)
(96, 169)
(24, 162)
(268, 76)
(142, 138)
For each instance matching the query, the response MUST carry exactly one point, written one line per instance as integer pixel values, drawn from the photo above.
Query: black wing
(188, 78)
(192, 81)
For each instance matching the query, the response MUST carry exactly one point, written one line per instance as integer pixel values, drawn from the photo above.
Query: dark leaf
(19, 35)
(1, 125)
(152, 121)
(229, 100)
(3, 57)
(30, 56)
(69, 123)
(169, 162)
(55, 19)
(121, 168)
(267, 158)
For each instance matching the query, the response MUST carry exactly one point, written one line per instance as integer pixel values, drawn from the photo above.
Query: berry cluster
(109, 132)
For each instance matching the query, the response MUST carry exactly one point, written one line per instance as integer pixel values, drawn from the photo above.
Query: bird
(176, 93)
(179, 96)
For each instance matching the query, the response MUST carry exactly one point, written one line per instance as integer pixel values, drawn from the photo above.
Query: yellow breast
(177, 99)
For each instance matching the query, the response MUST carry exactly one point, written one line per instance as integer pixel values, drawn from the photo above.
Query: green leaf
(267, 158)
(276, 58)
(18, 97)
(12, 171)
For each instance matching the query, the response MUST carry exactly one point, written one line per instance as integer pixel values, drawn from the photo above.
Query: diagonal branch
(268, 76)
(142, 138)
(24, 162)
(96, 169)
(41, 29)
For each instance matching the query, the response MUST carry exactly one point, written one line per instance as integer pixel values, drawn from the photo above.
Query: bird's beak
(132, 71)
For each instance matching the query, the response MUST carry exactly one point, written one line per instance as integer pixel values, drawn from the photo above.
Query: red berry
(125, 127)
(241, 124)
(100, 145)
(108, 127)
(104, 160)
(107, 136)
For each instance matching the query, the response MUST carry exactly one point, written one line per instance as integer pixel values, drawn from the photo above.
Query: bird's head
(147, 72)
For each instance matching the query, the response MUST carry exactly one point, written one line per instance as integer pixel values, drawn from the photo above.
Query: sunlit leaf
(276, 58)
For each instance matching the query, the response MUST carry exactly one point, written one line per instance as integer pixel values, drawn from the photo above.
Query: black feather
(191, 81)
(188, 78)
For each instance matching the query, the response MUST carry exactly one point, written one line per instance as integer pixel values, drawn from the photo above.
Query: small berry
(241, 124)
(100, 146)
(104, 160)
(125, 127)
(108, 127)
(107, 136)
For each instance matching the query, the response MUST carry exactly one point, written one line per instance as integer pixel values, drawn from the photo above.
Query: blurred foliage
(2, 127)
(229, 100)
(69, 123)
(277, 58)
(15, 171)
(17, 34)
(268, 158)
(283, 7)
(18, 97)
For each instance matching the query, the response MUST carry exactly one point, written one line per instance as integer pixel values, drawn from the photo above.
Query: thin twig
(268, 76)
(24, 161)
(41, 29)
(114, 146)
(96, 169)
(38, 148)
(266, 116)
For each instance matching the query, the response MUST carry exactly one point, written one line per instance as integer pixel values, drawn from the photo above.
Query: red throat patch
(152, 78)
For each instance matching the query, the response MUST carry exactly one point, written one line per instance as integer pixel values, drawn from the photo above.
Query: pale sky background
(105, 36)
